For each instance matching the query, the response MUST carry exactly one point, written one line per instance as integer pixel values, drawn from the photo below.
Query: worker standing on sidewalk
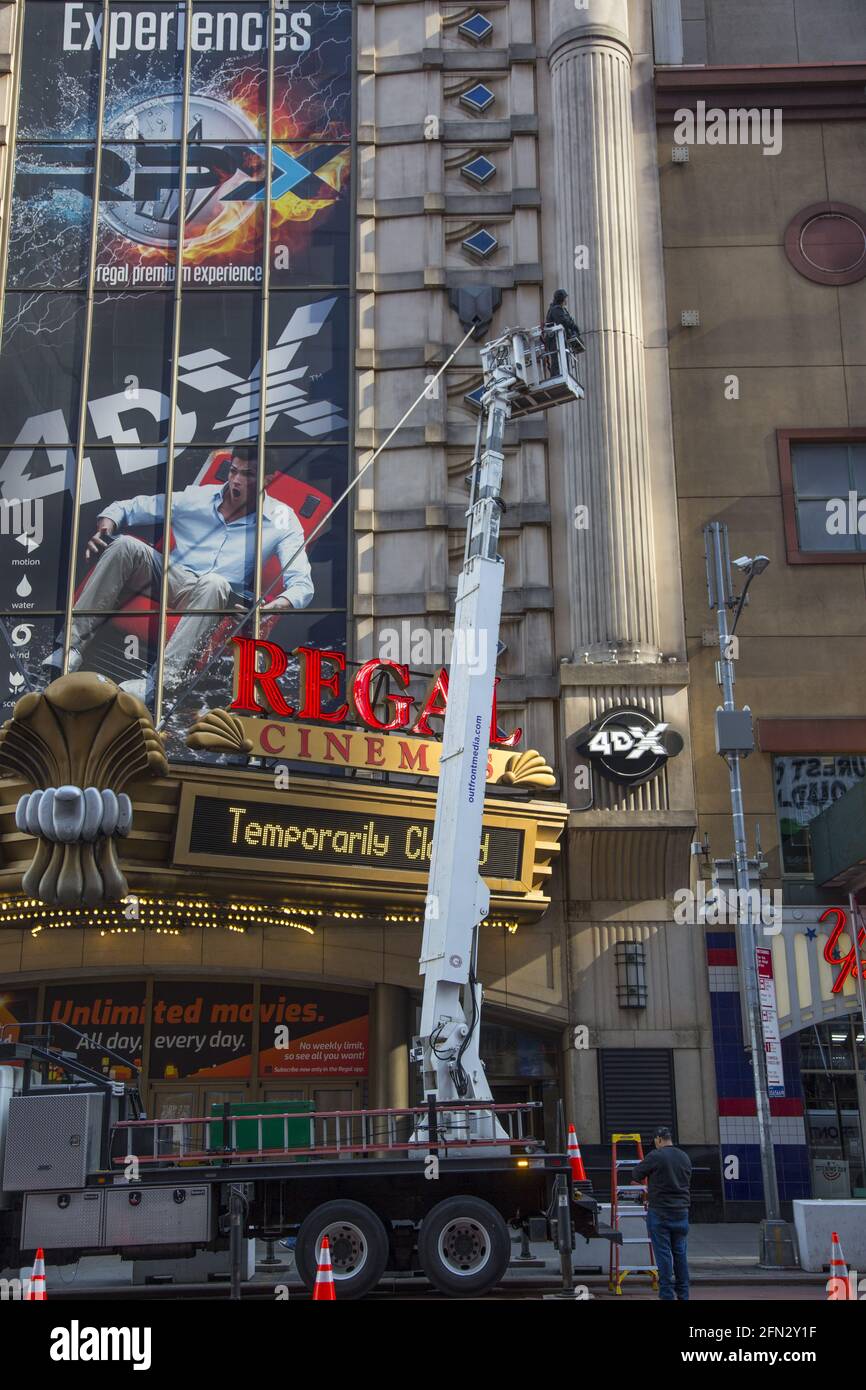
(668, 1173)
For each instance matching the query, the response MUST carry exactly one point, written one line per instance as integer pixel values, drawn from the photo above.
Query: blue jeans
(669, 1236)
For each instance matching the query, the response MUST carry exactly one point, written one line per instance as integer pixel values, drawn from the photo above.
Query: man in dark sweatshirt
(667, 1171)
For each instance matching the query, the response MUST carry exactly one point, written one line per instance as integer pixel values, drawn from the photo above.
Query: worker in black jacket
(667, 1171)
(558, 314)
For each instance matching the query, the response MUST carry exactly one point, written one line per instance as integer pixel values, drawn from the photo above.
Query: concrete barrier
(815, 1222)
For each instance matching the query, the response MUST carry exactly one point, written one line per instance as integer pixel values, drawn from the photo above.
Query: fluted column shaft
(606, 453)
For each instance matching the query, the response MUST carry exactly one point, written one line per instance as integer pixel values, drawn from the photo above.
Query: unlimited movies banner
(204, 1030)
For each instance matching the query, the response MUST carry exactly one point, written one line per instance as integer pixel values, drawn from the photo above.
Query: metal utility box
(62, 1220)
(136, 1215)
(734, 731)
(52, 1141)
(10, 1080)
(275, 1133)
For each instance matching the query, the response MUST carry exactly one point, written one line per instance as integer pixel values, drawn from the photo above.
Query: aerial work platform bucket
(541, 364)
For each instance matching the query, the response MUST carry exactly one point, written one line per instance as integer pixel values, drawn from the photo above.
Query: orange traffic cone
(578, 1172)
(38, 1292)
(837, 1284)
(324, 1286)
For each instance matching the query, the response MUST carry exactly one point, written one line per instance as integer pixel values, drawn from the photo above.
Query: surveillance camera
(752, 564)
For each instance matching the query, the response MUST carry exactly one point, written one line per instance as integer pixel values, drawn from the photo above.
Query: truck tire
(359, 1247)
(463, 1246)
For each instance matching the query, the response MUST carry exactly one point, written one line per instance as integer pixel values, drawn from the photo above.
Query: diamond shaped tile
(479, 170)
(481, 243)
(474, 397)
(478, 98)
(476, 28)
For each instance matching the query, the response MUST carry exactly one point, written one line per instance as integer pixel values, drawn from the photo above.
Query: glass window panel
(308, 368)
(313, 72)
(40, 372)
(858, 467)
(310, 215)
(128, 399)
(223, 233)
(228, 72)
(144, 72)
(120, 645)
(220, 347)
(60, 71)
(129, 491)
(817, 528)
(301, 485)
(820, 470)
(52, 205)
(136, 245)
(206, 658)
(804, 788)
(34, 538)
(213, 526)
(27, 643)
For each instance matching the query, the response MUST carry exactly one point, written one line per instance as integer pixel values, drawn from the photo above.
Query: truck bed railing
(215, 1139)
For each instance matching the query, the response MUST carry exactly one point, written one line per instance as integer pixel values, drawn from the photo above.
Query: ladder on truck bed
(628, 1216)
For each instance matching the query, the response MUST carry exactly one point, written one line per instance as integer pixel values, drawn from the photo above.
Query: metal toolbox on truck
(62, 1220)
(137, 1215)
(52, 1141)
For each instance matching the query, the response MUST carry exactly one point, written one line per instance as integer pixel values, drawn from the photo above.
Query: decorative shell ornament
(77, 745)
(528, 768)
(219, 731)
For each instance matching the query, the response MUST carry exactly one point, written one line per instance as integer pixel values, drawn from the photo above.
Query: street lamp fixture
(750, 566)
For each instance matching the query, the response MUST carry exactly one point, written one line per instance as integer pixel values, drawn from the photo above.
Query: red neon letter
(509, 740)
(849, 962)
(247, 677)
(315, 683)
(434, 705)
(361, 696)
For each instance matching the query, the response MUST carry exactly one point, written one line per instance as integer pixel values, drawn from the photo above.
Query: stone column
(602, 442)
(390, 1030)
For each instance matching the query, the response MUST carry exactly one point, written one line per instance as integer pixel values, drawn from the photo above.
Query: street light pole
(734, 741)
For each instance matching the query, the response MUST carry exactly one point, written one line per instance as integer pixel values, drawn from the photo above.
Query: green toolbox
(273, 1131)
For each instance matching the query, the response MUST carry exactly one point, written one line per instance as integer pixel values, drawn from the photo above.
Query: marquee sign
(375, 841)
(328, 696)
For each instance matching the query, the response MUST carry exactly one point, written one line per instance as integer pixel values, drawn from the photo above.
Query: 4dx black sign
(627, 746)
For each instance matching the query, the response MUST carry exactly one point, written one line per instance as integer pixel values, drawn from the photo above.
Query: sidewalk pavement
(718, 1254)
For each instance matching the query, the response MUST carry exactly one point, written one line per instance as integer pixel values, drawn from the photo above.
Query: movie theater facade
(236, 237)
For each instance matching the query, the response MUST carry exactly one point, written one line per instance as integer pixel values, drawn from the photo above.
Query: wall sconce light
(631, 988)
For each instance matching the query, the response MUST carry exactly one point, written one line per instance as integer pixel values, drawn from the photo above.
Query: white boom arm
(523, 372)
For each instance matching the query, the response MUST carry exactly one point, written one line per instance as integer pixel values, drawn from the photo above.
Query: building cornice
(807, 92)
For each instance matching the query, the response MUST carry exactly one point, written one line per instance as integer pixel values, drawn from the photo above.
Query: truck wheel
(463, 1246)
(359, 1247)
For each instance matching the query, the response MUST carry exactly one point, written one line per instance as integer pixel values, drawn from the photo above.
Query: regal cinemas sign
(261, 723)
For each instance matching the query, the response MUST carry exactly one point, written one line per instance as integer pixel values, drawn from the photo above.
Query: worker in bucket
(667, 1171)
(558, 315)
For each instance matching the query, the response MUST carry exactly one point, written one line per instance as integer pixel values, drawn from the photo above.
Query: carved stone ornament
(77, 745)
(219, 731)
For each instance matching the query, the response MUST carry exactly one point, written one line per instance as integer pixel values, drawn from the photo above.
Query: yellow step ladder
(628, 1207)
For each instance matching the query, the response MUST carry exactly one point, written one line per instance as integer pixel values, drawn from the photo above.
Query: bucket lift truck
(524, 372)
(82, 1171)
